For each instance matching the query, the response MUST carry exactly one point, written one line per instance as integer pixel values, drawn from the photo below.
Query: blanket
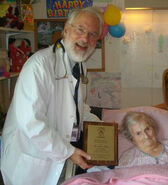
(139, 175)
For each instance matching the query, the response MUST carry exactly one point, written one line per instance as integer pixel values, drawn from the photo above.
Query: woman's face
(143, 135)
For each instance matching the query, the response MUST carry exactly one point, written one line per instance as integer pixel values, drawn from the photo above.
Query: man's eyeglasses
(82, 31)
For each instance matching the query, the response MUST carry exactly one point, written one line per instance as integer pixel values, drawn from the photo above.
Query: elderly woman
(141, 129)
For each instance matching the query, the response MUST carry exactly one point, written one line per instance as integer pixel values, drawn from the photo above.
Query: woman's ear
(132, 140)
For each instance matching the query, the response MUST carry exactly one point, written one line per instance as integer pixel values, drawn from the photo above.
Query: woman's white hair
(92, 10)
(132, 118)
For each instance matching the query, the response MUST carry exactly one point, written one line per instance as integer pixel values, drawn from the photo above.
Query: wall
(134, 55)
(39, 9)
(142, 56)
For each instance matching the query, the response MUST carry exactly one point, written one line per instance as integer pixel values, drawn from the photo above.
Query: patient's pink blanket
(140, 175)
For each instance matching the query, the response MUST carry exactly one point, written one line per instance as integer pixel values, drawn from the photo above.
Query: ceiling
(155, 4)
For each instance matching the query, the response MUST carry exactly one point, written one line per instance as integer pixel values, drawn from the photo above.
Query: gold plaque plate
(101, 142)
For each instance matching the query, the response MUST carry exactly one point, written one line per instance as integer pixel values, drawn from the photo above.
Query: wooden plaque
(101, 142)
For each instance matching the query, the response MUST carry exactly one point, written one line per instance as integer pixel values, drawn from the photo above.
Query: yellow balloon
(112, 15)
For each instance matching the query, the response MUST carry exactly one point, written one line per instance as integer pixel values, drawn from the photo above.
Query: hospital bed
(139, 175)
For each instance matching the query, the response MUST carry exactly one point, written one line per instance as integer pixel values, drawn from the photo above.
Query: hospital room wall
(140, 56)
(122, 55)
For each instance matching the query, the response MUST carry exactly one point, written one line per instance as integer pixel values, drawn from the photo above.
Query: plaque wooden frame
(114, 143)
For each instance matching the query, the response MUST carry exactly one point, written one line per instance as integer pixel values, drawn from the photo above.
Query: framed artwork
(97, 61)
(47, 31)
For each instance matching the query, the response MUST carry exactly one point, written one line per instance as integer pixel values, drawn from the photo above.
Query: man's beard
(77, 55)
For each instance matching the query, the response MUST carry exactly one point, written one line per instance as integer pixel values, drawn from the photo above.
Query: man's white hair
(92, 10)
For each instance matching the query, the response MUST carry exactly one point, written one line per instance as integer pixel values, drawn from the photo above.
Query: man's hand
(79, 157)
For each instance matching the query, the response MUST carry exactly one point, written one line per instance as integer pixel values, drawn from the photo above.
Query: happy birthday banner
(61, 8)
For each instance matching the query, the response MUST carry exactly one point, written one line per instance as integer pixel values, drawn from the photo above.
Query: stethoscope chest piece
(84, 79)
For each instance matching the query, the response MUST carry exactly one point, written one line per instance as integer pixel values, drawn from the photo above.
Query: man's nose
(86, 36)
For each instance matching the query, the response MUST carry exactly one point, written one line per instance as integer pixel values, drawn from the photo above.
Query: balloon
(117, 30)
(112, 15)
(104, 31)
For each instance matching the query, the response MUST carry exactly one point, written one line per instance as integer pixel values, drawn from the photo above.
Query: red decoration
(12, 18)
(18, 55)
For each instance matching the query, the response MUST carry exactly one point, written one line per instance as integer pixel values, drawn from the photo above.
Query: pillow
(159, 115)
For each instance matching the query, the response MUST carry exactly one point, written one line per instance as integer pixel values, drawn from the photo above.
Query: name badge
(75, 134)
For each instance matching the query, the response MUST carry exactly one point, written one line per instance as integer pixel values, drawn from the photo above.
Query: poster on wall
(104, 90)
(61, 8)
(47, 32)
(96, 62)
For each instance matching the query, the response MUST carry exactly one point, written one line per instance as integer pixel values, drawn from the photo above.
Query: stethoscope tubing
(54, 51)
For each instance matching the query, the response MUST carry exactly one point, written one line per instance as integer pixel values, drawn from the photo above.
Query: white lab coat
(37, 131)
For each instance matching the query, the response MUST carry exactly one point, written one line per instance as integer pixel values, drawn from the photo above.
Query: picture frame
(47, 31)
(97, 60)
(101, 142)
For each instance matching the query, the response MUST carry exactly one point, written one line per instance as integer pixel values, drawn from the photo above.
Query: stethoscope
(58, 44)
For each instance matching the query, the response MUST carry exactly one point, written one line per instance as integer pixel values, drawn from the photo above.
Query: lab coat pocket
(30, 170)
